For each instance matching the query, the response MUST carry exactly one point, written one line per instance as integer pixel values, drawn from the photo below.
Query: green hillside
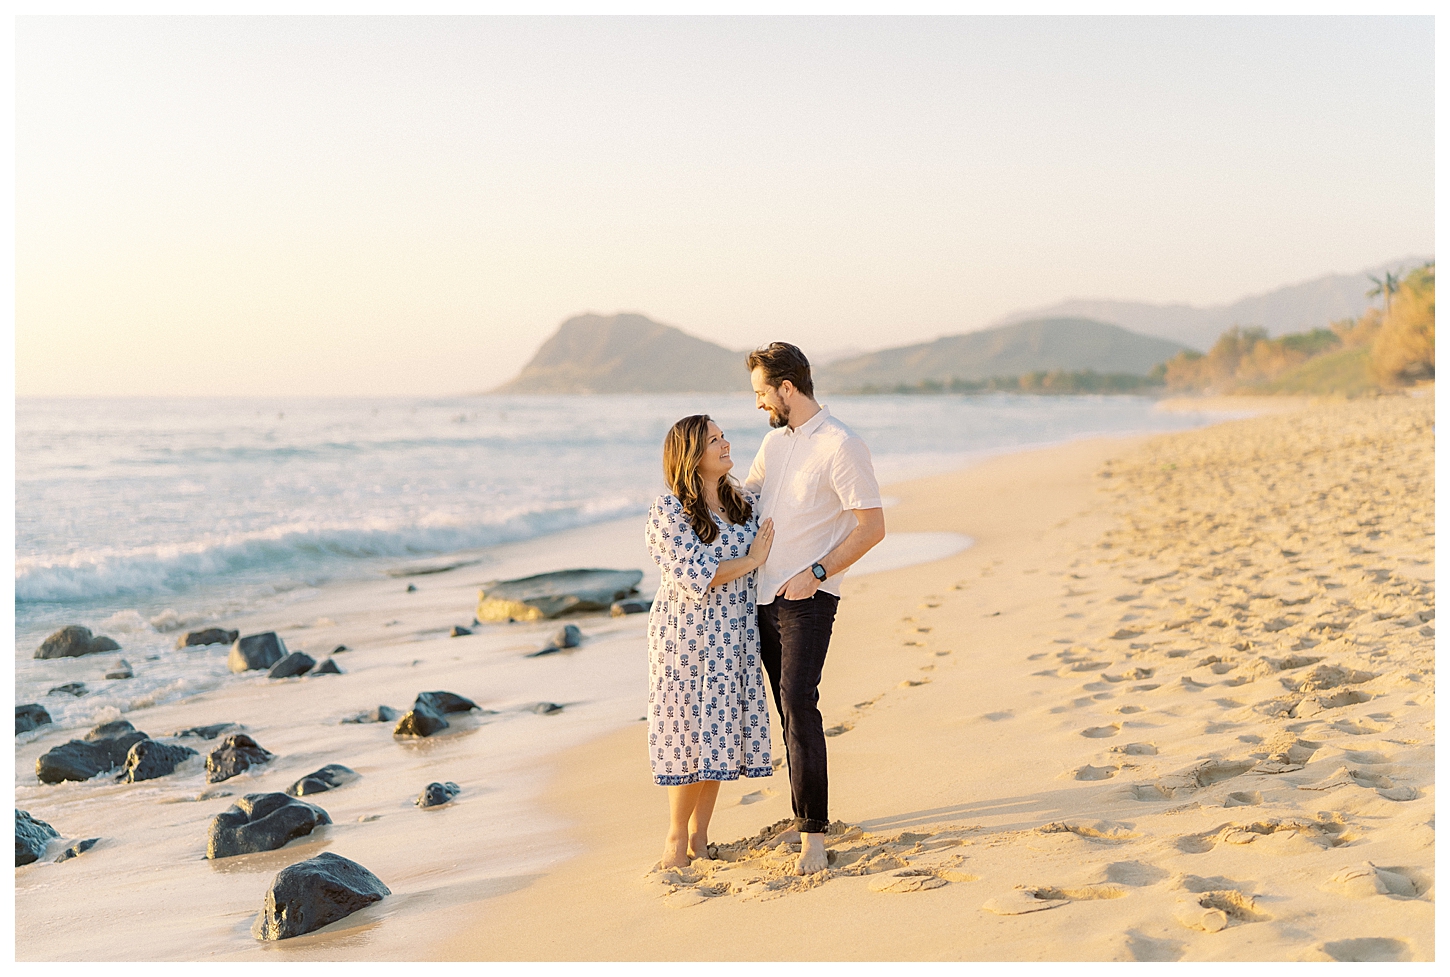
(1020, 348)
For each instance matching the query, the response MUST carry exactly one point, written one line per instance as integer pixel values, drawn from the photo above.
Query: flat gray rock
(121, 670)
(72, 641)
(548, 595)
(256, 651)
(32, 837)
(261, 822)
(312, 893)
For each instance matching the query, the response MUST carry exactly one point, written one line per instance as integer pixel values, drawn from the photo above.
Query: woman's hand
(760, 549)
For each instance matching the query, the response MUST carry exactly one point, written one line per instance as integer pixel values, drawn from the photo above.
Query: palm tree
(1386, 286)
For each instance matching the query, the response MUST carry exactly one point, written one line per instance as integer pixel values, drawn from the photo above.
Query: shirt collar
(811, 426)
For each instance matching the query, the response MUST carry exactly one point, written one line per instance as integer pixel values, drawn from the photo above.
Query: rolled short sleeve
(683, 560)
(852, 476)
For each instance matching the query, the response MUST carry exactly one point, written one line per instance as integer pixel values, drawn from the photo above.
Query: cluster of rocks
(261, 822)
(429, 708)
(548, 595)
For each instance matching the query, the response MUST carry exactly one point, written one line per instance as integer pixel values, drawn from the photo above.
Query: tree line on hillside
(1384, 348)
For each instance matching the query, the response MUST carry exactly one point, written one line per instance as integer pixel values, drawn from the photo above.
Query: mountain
(1023, 347)
(628, 353)
(1293, 308)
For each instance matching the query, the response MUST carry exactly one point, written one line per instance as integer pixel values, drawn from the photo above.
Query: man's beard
(777, 419)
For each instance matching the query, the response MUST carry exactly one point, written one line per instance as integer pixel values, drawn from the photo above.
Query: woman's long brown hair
(684, 448)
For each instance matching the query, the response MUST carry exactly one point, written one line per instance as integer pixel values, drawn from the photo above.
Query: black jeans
(794, 635)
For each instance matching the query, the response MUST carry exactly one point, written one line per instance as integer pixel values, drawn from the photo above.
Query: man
(815, 480)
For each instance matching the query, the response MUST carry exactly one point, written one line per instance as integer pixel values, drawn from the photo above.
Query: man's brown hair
(781, 362)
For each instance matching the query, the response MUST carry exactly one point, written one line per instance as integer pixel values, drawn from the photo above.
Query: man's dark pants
(794, 635)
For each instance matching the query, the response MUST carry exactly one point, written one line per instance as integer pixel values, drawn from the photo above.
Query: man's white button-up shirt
(809, 480)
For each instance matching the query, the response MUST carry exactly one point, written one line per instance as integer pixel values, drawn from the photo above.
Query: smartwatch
(818, 571)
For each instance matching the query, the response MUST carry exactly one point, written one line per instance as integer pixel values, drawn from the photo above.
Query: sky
(410, 206)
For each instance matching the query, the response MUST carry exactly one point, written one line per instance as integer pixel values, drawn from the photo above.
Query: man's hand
(802, 586)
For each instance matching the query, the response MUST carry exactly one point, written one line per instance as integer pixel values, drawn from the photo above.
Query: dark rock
(566, 637)
(104, 748)
(236, 753)
(208, 636)
(548, 595)
(382, 714)
(261, 822)
(310, 894)
(340, 649)
(69, 688)
(79, 848)
(411, 589)
(328, 667)
(458, 631)
(30, 716)
(421, 720)
(546, 650)
(446, 702)
(547, 708)
(634, 606)
(426, 716)
(294, 664)
(256, 651)
(72, 641)
(32, 836)
(205, 732)
(330, 776)
(436, 794)
(149, 759)
(120, 670)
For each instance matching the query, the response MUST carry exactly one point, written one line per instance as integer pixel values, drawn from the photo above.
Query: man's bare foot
(676, 854)
(699, 846)
(813, 854)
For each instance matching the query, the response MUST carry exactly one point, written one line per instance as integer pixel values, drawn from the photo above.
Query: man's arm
(870, 530)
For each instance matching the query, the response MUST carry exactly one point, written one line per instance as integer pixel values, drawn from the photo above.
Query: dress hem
(680, 780)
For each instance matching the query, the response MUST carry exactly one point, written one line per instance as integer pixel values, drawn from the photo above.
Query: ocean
(141, 517)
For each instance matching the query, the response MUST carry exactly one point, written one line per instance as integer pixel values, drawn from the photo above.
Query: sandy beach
(1174, 703)
(1177, 703)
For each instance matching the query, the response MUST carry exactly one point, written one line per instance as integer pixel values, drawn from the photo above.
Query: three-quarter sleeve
(684, 561)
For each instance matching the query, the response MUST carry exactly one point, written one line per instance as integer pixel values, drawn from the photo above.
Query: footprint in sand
(1243, 798)
(906, 880)
(1090, 772)
(1134, 873)
(1031, 899)
(1100, 732)
(912, 683)
(755, 796)
(1365, 949)
(1147, 949)
(840, 728)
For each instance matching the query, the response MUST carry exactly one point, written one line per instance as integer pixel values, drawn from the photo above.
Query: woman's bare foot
(813, 854)
(699, 846)
(676, 854)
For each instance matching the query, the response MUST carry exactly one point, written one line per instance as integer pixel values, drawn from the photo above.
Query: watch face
(818, 571)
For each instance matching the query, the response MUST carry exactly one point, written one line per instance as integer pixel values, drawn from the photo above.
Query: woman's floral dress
(707, 714)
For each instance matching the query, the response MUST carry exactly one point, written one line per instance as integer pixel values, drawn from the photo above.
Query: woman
(707, 712)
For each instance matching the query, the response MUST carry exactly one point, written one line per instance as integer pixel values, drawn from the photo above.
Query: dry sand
(1177, 703)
